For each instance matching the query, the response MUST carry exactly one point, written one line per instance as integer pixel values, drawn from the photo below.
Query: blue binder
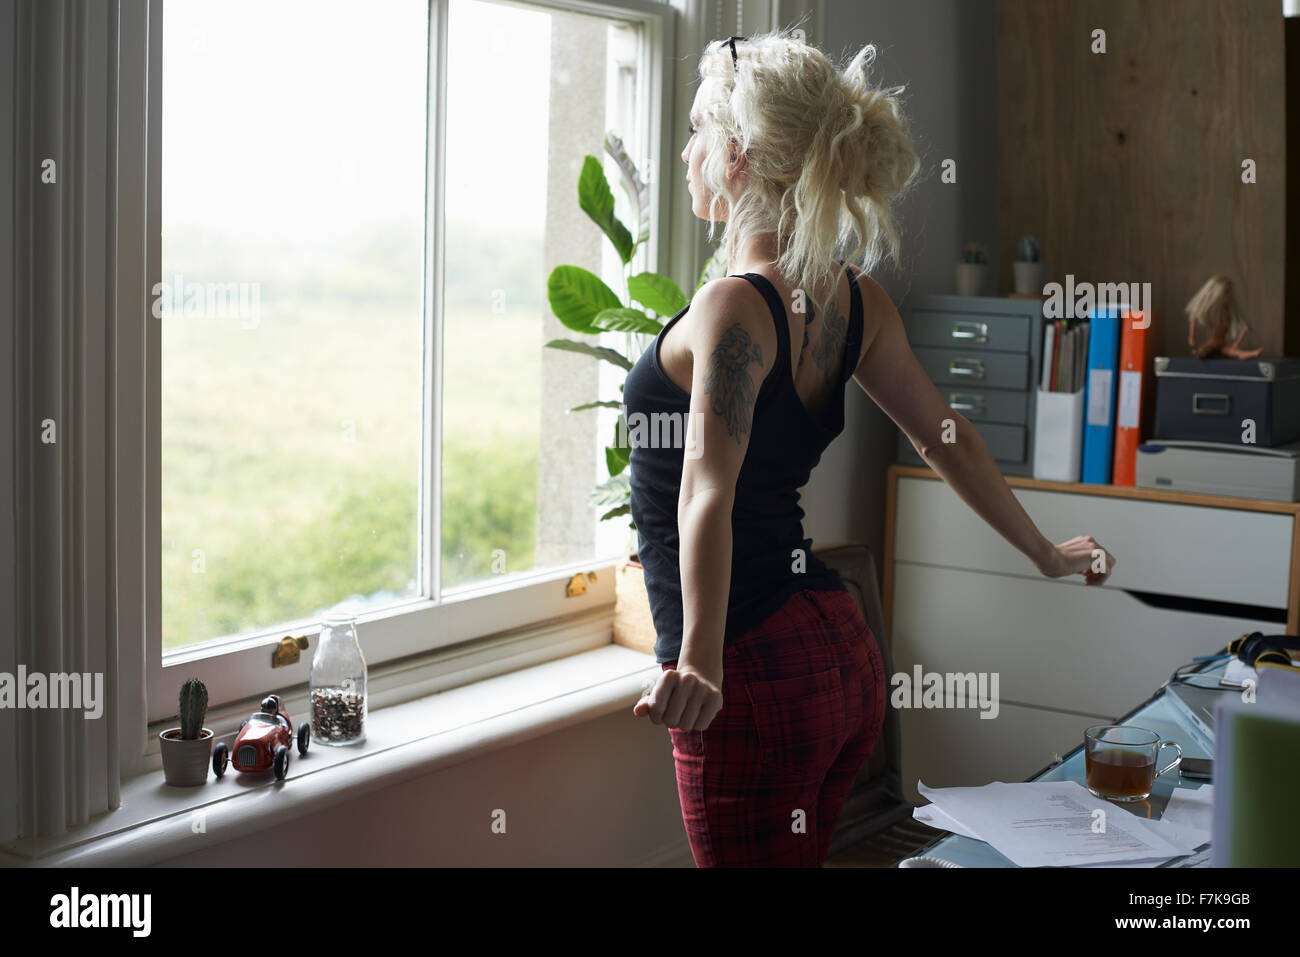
(1099, 411)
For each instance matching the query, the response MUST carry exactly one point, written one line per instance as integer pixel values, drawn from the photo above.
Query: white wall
(599, 794)
(943, 52)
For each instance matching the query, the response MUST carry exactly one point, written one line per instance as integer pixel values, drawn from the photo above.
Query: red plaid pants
(803, 703)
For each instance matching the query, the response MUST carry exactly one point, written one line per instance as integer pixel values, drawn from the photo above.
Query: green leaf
(617, 456)
(576, 295)
(638, 191)
(657, 292)
(615, 460)
(598, 202)
(598, 352)
(615, 512)
(616, 490)
(626, 320)
(715, 268)
(605, 404)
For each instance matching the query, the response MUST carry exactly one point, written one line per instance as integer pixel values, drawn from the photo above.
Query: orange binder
(1136, 391)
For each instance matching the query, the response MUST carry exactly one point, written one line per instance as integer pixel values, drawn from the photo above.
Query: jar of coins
(338, 684)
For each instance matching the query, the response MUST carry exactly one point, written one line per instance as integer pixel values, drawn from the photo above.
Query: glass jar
(338, 684)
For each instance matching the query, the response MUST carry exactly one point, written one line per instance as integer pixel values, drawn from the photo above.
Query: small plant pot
(1029, 278)
(185, 763)
(970, 278)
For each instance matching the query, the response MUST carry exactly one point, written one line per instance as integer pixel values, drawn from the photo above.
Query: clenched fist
(681, 698)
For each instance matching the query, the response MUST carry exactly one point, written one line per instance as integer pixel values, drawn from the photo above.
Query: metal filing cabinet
(982, 353)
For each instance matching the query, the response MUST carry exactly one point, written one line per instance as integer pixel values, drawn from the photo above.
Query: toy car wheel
(281, 762)
(220, 758)
(304, 737)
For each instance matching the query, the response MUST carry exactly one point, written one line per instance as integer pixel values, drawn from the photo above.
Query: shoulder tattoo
(728, 383)
(827, 351)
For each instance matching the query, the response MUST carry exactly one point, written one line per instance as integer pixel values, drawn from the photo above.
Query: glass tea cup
(1121, 761)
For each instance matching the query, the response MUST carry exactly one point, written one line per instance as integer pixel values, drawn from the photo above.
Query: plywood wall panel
(1127, 165)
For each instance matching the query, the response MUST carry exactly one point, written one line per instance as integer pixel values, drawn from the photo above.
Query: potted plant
(1028, 267)
(971, 270)
(187, 750)
(584, 304)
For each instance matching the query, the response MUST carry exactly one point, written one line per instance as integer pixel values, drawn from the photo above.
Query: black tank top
(771, 559)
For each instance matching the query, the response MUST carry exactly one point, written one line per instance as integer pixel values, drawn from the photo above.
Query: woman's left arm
(732, 350)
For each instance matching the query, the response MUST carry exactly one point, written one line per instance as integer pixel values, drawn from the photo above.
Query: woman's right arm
(891, 375)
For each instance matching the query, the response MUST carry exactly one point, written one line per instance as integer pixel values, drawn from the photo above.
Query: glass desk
(1156, 713)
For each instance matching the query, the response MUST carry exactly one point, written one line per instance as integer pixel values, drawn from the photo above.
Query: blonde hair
(1214, 301)
(826, 154)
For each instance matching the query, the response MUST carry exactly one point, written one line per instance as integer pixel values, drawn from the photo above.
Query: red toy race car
(263, 742)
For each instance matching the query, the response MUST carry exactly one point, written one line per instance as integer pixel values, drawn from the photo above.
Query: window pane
(293, 227)
(529, 93)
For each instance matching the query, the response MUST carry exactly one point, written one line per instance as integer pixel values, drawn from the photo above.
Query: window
(359, 213)
(290, 308)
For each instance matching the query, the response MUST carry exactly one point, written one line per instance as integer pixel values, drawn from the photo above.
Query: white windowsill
(156, 821)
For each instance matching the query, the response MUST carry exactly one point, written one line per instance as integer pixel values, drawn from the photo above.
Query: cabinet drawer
(957, 748)
(1195, 551)
(989, 405)
(908, 456)
(1006, 443)
(1052, 643)
(990, 370)
(968, 331)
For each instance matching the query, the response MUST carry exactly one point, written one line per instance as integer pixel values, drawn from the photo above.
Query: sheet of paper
(1057, 824)
(934, 816)
(1191, 811)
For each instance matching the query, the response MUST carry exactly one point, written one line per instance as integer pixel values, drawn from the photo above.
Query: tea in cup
(1121, 761)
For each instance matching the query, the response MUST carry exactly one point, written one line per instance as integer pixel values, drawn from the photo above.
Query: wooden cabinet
(1192, 572)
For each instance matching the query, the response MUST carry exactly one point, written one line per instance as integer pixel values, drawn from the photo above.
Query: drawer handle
(970, 330)
(1211, 398)
(966, 402)
(971, 368)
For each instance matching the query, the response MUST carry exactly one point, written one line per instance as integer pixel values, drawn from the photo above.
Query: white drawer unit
(1213, 553)
(1011, 747)
(1192, 572)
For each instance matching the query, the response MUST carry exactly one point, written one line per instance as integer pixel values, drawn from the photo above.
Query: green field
(290, 451)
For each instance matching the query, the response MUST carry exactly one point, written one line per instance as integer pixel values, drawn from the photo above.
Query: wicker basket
(633, 626)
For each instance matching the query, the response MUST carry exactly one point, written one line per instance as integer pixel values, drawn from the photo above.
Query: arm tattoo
(728, 382)
(827, 351)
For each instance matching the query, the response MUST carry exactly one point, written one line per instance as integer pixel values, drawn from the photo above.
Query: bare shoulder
(730, 310)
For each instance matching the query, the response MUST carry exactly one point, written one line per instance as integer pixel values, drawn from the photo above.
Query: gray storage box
(1208, 399)
(1272, 474)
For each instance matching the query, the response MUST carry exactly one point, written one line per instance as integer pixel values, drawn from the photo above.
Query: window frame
(239, 667)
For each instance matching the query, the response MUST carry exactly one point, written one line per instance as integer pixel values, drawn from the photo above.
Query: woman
(771, 685)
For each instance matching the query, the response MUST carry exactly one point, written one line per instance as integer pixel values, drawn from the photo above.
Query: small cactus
(973, 253)
(194, 708)
(1027, 249)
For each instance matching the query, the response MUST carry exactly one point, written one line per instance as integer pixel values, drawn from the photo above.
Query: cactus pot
(970, 278)
(1029, 277)
(185, 763)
